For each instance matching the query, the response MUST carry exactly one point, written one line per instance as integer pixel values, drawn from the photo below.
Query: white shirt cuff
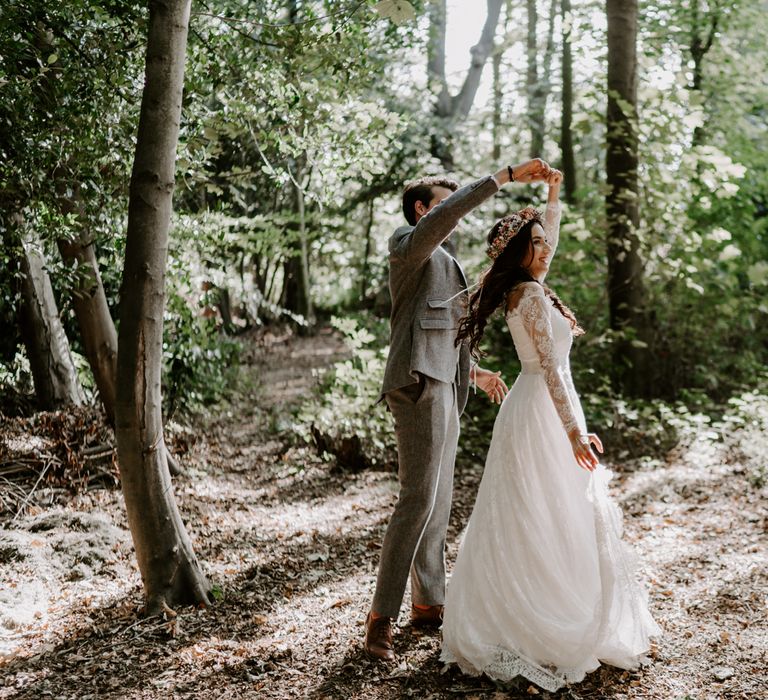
(498, 184)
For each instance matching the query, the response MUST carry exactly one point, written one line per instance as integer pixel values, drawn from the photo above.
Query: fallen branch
(29, 495)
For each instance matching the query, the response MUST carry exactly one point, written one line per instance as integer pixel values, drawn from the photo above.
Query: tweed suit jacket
(426, 285)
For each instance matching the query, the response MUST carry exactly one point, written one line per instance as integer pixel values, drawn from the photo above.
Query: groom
(426, 384)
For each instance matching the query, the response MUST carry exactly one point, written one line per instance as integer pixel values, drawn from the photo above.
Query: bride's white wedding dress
(543, 586)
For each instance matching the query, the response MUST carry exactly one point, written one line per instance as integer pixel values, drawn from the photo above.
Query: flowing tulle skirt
(543, 586)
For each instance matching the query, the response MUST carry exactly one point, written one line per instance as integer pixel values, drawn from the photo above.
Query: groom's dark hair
(421, 191)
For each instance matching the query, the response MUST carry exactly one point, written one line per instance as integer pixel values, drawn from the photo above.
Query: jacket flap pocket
(437, 324)
(439, 303)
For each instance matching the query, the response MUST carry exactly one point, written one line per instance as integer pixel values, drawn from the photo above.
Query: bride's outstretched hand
(582, 449)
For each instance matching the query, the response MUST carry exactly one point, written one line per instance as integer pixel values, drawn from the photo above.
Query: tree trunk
(532, 79)
(97, 329)
(169, 569)
(625, 271)
(538, 80)
(367, 252)
(441, 146)
(498, 88)
(296, 296)
(498, 105)
(450, 109)
(566, 136)
(50, 359)
(700, 46)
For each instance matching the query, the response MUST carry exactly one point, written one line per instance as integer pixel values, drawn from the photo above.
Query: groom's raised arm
(416, 245)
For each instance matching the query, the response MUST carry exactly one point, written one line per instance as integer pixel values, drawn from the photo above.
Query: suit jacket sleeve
(418, 244)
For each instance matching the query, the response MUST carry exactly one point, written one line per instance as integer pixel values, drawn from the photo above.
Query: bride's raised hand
(555, 178)
(582, 449)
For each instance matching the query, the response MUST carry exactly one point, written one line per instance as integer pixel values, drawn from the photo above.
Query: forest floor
(292, 546)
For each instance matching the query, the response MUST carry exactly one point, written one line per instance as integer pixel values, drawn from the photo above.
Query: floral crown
(510, 227)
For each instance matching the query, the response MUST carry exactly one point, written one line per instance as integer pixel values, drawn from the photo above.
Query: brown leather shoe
(429, 617)
(378, 638)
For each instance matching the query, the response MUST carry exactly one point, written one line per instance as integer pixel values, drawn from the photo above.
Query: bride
(543, 586)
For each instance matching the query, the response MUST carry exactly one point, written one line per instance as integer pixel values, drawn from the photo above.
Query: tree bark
(701, 43)
(451, 108)
(566, 135)
(498, 88)
(441, 145)
(532, 78)
(297, 296)
(367, 252)
(50, 359)
(498, 100)
(169, 569)
(625, 270)
(97, 329)
(538, 83)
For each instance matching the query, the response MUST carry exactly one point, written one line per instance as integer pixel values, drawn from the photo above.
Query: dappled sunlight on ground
(292, 547)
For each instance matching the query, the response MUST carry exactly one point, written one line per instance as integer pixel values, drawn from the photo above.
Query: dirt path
(293, 546)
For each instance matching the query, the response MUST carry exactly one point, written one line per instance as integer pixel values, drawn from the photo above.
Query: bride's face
(539, 254)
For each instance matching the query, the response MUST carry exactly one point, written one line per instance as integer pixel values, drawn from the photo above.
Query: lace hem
(506, 665)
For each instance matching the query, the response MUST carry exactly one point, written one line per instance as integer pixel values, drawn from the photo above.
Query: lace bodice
(543, 338)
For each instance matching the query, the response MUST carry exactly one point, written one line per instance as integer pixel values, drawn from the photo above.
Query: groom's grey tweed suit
(426, 384)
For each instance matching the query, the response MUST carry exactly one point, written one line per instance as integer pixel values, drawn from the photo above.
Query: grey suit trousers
(427, 431)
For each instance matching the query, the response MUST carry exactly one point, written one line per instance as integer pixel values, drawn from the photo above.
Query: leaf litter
(292, 545)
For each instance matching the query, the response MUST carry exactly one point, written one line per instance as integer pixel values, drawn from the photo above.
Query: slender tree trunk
(449, 109)
(50, 359)
(296, 296)
(566, 135)
(625, 270)
(97, 329)
(367, 252)
(307, 308)
(169, 568)
(532, 78)
(701, 43)
(498, 104)
(498, 88)
(441, 146)
(538, 83)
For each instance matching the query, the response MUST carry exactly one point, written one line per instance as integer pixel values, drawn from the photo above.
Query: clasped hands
(537, 170)
(534, 170)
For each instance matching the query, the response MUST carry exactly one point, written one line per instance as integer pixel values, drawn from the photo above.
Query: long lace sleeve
(552, 224)
(534, 309)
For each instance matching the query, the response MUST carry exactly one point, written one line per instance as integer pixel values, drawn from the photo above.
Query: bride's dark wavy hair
(505, 273)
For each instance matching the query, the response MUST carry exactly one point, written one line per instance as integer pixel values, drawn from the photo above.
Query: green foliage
(301, 122)
(745, 428)
(199, 362)
(343, 420)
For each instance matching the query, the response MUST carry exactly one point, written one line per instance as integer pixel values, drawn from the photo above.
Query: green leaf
(53, 58)
(758, 273)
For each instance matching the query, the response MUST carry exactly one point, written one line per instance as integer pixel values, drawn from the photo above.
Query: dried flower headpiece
(510, 228)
